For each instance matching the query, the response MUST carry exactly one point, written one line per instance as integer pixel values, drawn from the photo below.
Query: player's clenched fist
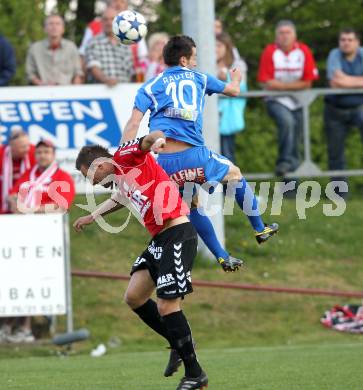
(158, 145)
(82, 221)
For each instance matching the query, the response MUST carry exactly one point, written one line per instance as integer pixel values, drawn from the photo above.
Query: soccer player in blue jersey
(175, 99)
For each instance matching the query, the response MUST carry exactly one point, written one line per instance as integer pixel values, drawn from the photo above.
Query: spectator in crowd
(15, 159)
(155, 61)
(45, 187)
(230, 109)
(286, 65)
(107, 61)
(54, 60)
(7, 62)
(95, 27)
(341, 112)
(218, 29)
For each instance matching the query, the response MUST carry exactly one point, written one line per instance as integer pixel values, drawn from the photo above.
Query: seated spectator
(230, 109)
(45, 187)
(54, 60)
(107, 61)
(7, 62)
(155, 61)
(15, 159)
(286, 65)
(341, 112)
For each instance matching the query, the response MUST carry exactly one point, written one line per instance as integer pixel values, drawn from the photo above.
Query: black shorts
(169, 258)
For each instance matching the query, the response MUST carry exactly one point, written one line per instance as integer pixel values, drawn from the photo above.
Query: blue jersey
(175, 99)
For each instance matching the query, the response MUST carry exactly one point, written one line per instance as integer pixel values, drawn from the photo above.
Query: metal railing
(305, 97)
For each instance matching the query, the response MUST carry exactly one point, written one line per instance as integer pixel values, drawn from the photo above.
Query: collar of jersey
(176, 67)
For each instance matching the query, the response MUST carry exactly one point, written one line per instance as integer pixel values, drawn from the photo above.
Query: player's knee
(132, 299)
(234, 174)
(168, 306)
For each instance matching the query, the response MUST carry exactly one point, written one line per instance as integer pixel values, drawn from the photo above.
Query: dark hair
(226, 40)
(88, 154)
(177, 47)
(349, 30)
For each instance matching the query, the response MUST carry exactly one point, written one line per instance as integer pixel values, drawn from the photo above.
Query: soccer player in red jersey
(167, 261)
(45, 187)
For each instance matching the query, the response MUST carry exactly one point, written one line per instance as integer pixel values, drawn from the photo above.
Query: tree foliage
(21, 22)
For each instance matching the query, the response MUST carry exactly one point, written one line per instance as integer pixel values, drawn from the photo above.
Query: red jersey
(296, 64)
(58, 189)
(147, 187)
(18, 166)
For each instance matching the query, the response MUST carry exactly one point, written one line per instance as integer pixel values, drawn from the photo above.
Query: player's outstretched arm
(107, 207)
(233, 88)
(154, 141)
(132, 126)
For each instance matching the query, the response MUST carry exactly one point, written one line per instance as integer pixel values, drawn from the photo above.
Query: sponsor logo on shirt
(195, 175)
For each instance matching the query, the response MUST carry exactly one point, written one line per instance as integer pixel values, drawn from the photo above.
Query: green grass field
(246, 340)
(330, 367)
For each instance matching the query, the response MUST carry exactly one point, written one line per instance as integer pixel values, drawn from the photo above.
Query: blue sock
(247, 201)
(205, 229)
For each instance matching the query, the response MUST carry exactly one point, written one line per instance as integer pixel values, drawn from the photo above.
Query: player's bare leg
(248, 204)
(181, 339)
(137, 296)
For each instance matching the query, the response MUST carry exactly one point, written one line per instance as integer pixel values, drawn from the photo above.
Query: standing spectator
(54, 60)
(219, 29)
(108, 61)
(286, 65)
(95, 27)
(155, 61)
(15, 159)
(341, 112)
(7, 62)
(230, 109)
(43, 188)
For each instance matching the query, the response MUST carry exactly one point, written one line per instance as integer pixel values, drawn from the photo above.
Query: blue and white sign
(69, 116)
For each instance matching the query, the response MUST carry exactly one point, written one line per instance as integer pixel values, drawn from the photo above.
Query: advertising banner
(69, 116)
(32, 265)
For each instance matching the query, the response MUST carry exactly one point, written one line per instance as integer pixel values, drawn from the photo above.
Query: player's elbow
(232, 91)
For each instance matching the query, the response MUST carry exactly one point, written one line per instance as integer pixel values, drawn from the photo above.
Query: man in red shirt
(286, 65)
(15, 159)
(144, 187)
(45, 187)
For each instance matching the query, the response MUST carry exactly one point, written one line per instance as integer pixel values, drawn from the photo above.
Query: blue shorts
(197, 164)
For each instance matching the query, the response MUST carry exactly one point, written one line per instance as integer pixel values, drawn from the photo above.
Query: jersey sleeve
(333, 64)
(266, 70)
(213, 85)
(310, 69)
(143, 101)
(129, 153)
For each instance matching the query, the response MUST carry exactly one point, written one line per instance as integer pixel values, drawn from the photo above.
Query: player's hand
(236, 74)
(82, 221)
(159, 145)
(231, 264)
